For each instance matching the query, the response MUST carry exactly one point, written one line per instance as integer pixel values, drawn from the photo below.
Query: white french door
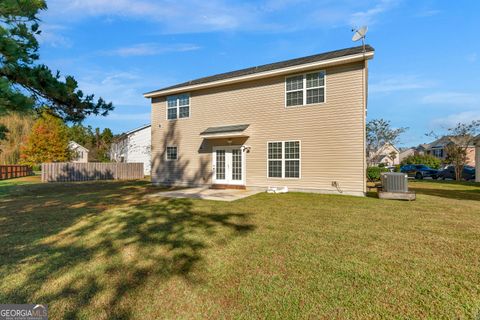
(228, 165)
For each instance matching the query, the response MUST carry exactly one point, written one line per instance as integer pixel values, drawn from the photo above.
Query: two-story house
(438, 149)
(388, 155)
(133, 146)
(299, 123)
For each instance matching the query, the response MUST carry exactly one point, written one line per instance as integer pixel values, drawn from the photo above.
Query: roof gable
(443, 142)
(74, 145)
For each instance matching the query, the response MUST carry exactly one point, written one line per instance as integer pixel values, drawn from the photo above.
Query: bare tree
(379, 133)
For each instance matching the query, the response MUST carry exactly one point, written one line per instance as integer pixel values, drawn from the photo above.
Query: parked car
(449, 173)
(391, 168)
(419, 171)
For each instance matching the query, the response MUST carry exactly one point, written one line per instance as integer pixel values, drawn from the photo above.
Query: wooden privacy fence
(14, 171)
(67, 171)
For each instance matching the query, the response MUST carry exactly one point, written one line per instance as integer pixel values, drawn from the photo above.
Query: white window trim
(283, 160)
(166, 153)
(304, 89)
(178, 107)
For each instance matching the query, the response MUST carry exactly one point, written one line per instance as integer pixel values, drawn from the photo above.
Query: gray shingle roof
(272, 66)
(444, 141)
(223, 129)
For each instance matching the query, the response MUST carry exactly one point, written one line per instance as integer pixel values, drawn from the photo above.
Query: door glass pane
(220, 165)
(236, 164)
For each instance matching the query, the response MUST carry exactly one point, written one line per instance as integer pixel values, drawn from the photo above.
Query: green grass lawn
(103, 250)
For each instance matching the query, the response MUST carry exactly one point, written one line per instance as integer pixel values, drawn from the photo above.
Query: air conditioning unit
(394, 182)
(395, 186)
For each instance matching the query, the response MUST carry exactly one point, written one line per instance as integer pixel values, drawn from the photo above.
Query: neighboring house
(406, 153)
(298, 123)
(422, 149)
(437, 149)
(388, 154)
(80, 153)
(134, 146)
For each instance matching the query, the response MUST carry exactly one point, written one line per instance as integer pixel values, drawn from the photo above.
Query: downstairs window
(284, 159)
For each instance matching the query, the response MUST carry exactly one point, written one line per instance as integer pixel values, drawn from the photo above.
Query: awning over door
(234, 131)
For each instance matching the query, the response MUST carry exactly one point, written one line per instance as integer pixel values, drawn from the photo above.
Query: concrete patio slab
(207, 194)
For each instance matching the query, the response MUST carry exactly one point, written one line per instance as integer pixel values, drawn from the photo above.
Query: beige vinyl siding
(331, 133)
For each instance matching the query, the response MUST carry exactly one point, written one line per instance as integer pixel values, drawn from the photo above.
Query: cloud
(76, 8)
(150, 49)
(125, 89)
(334, 14)
(52, 35)
(192, 16)
(175, 16)
(453, 119)
(369, 16)
(451, 98)
(122, 88)
(399, 83)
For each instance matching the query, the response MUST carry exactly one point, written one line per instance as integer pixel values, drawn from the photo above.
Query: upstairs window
(178, 107)
(305, 89)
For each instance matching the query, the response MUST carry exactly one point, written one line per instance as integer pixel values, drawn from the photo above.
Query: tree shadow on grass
(88, 249)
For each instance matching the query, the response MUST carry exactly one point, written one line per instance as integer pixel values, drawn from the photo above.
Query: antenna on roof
(360, 33)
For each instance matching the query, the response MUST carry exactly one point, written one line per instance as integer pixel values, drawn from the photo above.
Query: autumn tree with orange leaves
(47, 142)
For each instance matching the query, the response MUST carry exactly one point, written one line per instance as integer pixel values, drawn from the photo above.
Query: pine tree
(27, 85)
(96, 141)
(47, 142)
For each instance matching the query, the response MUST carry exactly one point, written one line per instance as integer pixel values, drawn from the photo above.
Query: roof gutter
(266, 74)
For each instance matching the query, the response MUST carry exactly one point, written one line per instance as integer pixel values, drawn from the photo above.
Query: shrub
(373, 173)
(427, 160)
